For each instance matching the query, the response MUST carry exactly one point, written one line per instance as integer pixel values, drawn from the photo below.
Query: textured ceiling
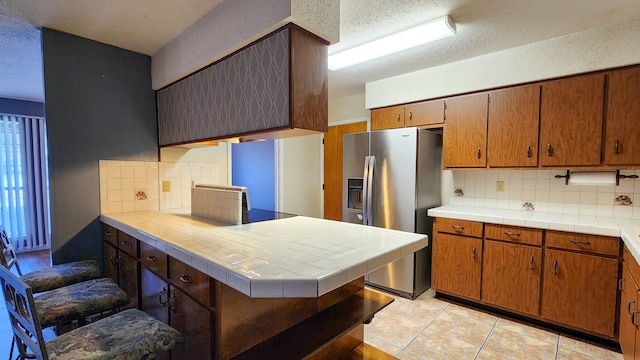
(144, 26)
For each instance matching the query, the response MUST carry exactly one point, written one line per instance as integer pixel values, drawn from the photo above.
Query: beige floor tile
(394, 329)
(528, 331)
(471, 314)
(382, 345)
(434, 345)
(487, 355)
(458, 325)
(590, 351)
(517, 346)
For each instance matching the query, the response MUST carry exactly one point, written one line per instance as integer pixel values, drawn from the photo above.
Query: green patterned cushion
(130, 334)
(62, 275)
(78, 300)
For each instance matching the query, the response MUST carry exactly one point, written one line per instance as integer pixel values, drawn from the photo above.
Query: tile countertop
(627, 229)
(293, 257)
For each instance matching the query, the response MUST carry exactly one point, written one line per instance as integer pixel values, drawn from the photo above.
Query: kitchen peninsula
(261, 285)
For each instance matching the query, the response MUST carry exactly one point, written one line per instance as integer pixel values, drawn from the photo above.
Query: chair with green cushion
(127, 335)
(52, 277)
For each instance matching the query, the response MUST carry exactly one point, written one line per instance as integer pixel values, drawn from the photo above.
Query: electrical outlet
(499, 186)
(166, 185)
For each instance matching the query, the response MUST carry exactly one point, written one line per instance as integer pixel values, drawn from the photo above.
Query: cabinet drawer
(632, 264)
(458, 227)
(154, 259)
(110, 234)
(514, 234)
(128, 244)
(191, 281)
(584, 242)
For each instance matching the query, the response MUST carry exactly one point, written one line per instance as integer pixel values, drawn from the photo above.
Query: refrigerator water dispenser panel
(354, 194)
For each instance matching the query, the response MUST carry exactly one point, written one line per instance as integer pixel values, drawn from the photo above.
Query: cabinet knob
(617, 147)
(152, 258)
(528, 151)
(549, 150)
(398, 117)
(479, 153)
(410, 116)
(186, 279)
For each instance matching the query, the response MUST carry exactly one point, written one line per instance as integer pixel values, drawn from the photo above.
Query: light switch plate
(499, 186)
(166, 185)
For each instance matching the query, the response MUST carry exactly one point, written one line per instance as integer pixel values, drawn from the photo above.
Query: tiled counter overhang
(627, 229)
(294, 257)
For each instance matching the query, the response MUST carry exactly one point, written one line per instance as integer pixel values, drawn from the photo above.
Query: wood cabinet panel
(457, 261)
(154, 259)
(458, 227)
(628, 305)
(579, 290)
(511, 276)
(571, 113)
(191, 318)
(387, 118)
(110, 262)
(424, 113)
(110, 234)
(128, 244)
(605, 245)
(128, 275)
(154, 299)
(465, 132)
(512, 138)
(514, 234)
(622, 136)
(190, 280)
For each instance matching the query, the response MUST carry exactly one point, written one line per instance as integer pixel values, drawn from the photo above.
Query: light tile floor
(430, 328)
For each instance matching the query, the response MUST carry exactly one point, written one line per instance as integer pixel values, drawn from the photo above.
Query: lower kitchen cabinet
(511, 276)
(579, 290)
(154, 299)
(629, 335)
(458, 260)
(123, 270)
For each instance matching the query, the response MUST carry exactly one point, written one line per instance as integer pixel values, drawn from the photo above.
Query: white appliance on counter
(390, 179)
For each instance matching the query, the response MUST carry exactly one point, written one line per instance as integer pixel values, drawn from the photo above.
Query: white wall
(348, 109)
(590, 50)
(299, 175)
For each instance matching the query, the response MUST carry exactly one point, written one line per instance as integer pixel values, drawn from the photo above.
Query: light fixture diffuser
(402, 40)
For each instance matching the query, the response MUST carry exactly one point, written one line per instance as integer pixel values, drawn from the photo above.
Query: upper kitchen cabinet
(465, 132)
(387, 118)
(275, 87)
(571, 113)
(424, 113)
(622, 137)
(513, 127)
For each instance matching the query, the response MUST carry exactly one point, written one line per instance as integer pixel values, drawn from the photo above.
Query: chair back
(24, 320)
(8, 257)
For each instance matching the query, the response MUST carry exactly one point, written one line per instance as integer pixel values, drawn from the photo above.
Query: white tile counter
(292, 257)
(628, 230)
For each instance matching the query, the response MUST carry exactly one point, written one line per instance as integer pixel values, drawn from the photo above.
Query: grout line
(487, 338)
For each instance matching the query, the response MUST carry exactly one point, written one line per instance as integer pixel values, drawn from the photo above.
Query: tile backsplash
(127, 186)
(539, 190)
(217, 204)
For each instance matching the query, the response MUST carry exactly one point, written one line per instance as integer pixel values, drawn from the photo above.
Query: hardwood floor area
(29, 261)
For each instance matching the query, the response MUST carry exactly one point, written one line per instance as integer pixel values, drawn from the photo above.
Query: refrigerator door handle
(369, 215)
(365, 187)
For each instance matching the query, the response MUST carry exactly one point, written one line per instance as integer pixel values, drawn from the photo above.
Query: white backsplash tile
(544, 191)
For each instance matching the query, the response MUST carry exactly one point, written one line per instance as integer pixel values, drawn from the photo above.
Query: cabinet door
(154, 299)
(110, 262)
(128, 278)
(194, 321)
(424, 113)
(511, 276)
(628, 306)
(387, 118)
(571, 121)
(456, 265)
(465, 132)
(579, 290)
(512, 138)
(622, 142)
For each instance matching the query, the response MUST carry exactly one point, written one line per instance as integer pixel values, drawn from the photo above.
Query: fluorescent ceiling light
(402, 40)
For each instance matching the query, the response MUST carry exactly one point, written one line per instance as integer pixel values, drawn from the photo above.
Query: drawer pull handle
(410, 116)
(457, 227)
(478, 153)
(509, 233)
(580, 242)
(161, 294)
(125, 243)
(474, 253)
(172, 303)
(620, 284)
(617, 147)
(108, 233)
(629, 307)
(186, 279)
(531, 263)
(528, 151)
(114, 260)
(555, 267)
(549, 150)
(398, 117)
(152, 258)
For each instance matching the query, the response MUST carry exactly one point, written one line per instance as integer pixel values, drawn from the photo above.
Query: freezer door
(393, 201)
(355, 151)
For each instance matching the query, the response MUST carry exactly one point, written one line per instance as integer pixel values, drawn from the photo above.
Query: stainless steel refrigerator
(390, 179)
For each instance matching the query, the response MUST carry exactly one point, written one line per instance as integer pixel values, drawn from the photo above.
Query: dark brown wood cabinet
(579, 290)
(465, 132)
(628, 313)
(387, 118)
(457, 259)
(190, 317)
(154, 298)
(622, 134)
(120, 265)
(273, 88)
(512, 135)
(571, 115)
